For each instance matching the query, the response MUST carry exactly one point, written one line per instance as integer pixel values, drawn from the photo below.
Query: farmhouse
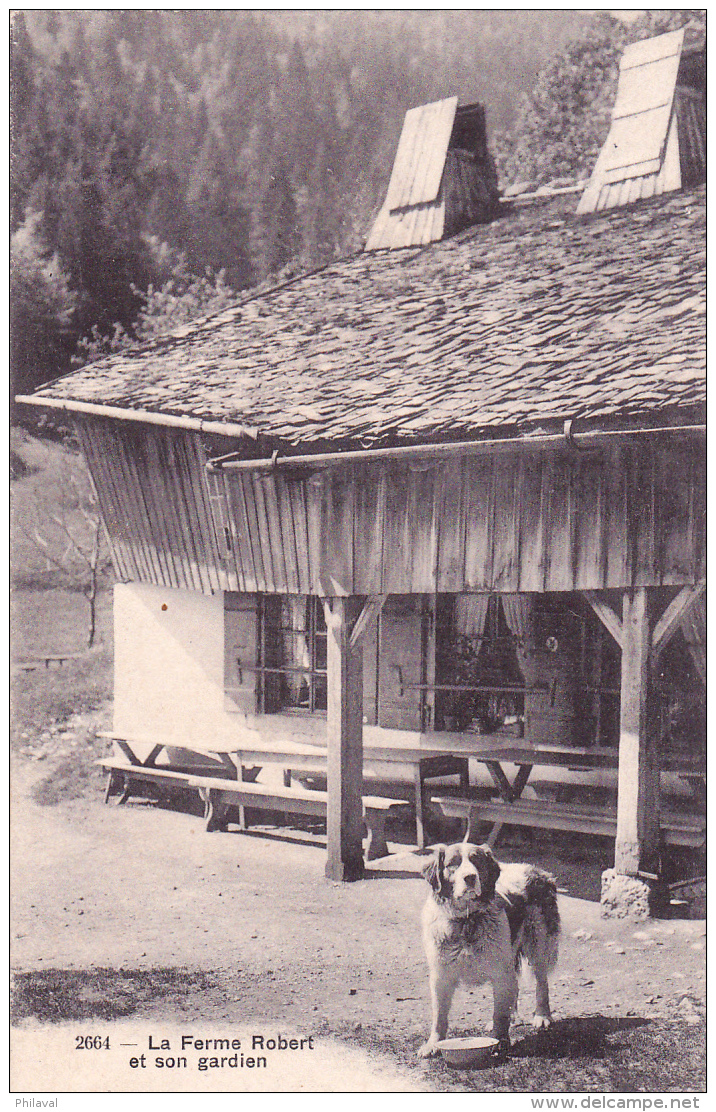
(448, 497)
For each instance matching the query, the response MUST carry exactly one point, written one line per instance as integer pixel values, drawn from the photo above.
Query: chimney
(657, 138)
(443, 177)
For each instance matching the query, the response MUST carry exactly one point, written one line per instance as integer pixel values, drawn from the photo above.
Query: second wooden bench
(220, 795)
(677, 828)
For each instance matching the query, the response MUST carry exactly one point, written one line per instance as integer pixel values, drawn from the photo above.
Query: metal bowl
(468, 1053)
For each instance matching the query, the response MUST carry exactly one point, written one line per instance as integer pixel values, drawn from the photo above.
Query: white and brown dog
(480, 919)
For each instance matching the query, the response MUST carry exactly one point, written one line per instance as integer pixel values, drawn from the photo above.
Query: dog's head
(462, 875)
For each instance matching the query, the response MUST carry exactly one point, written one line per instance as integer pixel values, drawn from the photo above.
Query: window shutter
(240, 652)
(401, 656)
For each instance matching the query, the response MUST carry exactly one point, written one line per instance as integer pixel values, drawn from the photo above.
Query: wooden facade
(620, 522)
(521, 519)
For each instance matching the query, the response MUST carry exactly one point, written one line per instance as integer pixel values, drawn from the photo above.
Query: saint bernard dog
(480, 919)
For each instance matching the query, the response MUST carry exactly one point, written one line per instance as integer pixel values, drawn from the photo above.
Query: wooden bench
(219, 795)
(32, 664)
(677, 829)
(126, 780)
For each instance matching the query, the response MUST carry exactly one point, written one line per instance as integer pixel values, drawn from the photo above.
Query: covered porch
(341, 574)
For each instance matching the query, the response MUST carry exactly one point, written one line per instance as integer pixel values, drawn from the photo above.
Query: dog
(480, 919)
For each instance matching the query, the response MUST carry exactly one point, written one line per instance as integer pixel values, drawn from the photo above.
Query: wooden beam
(606, 615)
(345, 741)
(637, 836)
(371, 609)
(674, 614)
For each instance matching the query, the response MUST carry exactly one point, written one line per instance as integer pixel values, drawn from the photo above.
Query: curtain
(518, 615)
(693, 627)
(471, 614)
(295, 629)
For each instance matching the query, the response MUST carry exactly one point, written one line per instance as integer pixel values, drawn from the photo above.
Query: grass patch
(49, 698)
(58, 995)
(74, 776)
(621, 1054)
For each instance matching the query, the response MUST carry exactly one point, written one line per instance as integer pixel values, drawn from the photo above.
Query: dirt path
(134, 919)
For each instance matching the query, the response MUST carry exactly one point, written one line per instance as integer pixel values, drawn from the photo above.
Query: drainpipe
(143, 416)
(437, 452)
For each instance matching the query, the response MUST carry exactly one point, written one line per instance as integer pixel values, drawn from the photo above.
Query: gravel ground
(131, 922)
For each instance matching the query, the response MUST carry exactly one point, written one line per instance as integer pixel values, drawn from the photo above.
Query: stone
(624, 897)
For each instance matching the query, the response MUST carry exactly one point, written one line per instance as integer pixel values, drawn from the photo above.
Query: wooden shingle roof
(506, 328)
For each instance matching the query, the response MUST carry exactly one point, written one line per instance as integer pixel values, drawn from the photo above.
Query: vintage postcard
(358, 573)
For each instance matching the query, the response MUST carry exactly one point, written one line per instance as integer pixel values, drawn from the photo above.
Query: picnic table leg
(376, 845)
(242, 810)
(214, 811)
(520, 781)
(126, 790)
(419, 808)
(500, 781)
(114, 779)
(151, 759)
(126, 748)
(229, 764)
(494, 834)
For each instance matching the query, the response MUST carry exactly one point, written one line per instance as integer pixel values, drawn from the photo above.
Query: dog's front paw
(541, 1022)
(429, 1049)
(503, 1048)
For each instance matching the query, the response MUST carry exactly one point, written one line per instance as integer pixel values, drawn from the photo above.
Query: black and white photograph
(358, 554)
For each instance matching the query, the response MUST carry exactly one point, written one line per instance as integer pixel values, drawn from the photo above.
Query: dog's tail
(542, 923)
(530, 897)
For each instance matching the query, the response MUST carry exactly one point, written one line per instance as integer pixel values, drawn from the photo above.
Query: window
(477, 675)
(292, 662)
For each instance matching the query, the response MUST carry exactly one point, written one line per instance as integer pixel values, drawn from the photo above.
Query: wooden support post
(345, 741)
(637, 836)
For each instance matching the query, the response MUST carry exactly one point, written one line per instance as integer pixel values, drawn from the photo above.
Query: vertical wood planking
(137, 512)
(589, 525)
(642, 495)
(254, 490)
(164, 470)
(532, 530)
(245, 533)
(288, 534)
(338, 536)
(198, 538)
(135, 462)
(123, 556)
(219, 508)
(149, 478)
(423, 520)
(368, 528)
(452, 525)
(316, 514)
(479, 489)
(258, 532)
(507, 523)
(195, 480)
(559, 526)
(110, 456)
(398, 567)
(294, 495)
(615, 485)
(279, 549)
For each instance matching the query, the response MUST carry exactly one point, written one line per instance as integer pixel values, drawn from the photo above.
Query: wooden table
(243, 762)
(381, 761)
(510, 807)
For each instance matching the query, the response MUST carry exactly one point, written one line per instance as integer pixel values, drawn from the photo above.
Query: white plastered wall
(169, 666)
